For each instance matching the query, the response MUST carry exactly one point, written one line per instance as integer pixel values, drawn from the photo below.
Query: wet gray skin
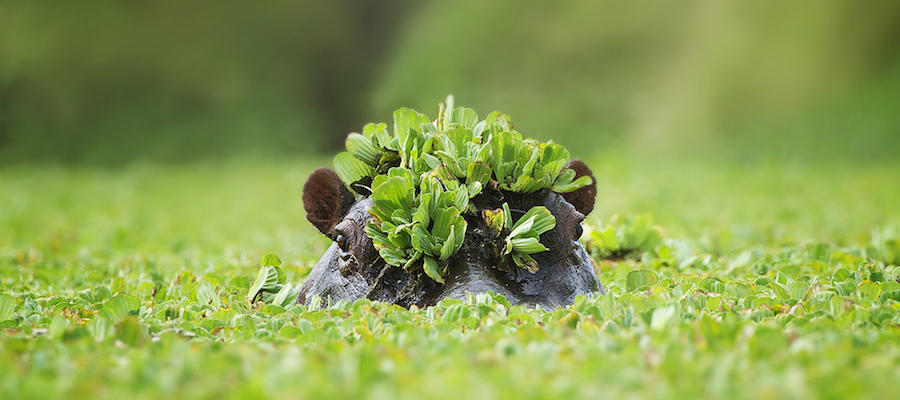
(351, 267)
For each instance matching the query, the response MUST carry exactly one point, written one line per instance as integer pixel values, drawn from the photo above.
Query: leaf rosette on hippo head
(424, 177)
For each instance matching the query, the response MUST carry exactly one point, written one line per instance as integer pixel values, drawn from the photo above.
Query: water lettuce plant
(424, 177)
(271, 285)
(625, 236)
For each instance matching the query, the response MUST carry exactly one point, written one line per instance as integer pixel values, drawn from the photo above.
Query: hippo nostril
(348, 258)
(348, 264)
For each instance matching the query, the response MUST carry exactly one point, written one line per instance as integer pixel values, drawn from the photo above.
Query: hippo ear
(325, 199)
(582, 199)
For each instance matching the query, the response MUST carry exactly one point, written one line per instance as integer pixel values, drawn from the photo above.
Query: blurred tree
(111, 81)
(658, 75)
(108, 81)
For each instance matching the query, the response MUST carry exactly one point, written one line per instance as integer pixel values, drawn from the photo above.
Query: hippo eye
(578, 231)
(341, 241)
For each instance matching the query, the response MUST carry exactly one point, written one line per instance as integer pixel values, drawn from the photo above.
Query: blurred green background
(113, 82)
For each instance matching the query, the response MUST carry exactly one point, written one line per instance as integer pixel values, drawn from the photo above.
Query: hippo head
(351, 268)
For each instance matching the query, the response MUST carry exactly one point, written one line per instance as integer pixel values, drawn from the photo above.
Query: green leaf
(430, 161)
(571, 187)
(451, 165)
(525, 261)
(379, 133)
(401, 237)
(870, 290)
(289, 332)
(422, 215)
(527, 184)
(554, 154)
(528, 166)
(393, 257)
(893, 295)
(413, 259)
(543, 219)
(529, 245)
(447, 106)
(376, 234)
(402, 218)
(282, 277)
(713, 285)
(565, 178)
(267, 278)
(632, 235)
(459, 234)
(206, 295)
(362, 148)
(474, 188)
(407, 124)
(351, 169)
(444, 220)
(421, 240)
(465, 117)
(522, 226)
(460, 138)
(461, 198)
(605, 240)
(7, 307)
(507, 216)
(432, 269)
(443, 173)
(285, 295)
(840, 275)
(270, 260)
(504, 171)
(395, 193)
(478, 130)
(498, 122)
(798, 290)
(478, 172)
(120, 306)
(447, 249)
(640, 279)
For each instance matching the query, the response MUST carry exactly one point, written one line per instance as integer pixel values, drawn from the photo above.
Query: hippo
(352, 269)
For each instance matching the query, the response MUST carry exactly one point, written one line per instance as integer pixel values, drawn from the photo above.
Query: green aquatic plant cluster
(132, 284)
(625, 237)
(271, 285)
(423, 177)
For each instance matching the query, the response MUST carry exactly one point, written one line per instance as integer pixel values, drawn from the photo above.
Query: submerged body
(351, 268)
